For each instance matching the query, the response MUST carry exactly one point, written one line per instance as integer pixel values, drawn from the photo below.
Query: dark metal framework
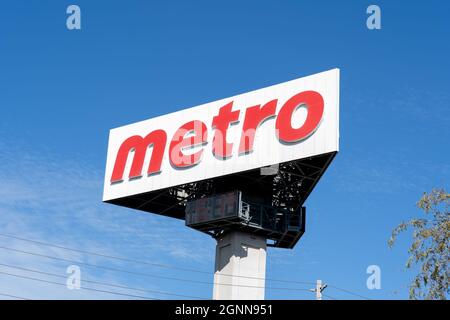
(288, 189)
(282, 226)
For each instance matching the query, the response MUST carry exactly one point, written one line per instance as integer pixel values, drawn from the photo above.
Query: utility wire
(146, 262)
(102, 283)
(329, 297)
(13, 296)
(84, 288)
(161, 266)
(147, 274)
(349, 292)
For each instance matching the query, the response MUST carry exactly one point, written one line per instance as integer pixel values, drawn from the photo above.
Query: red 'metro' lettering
(198, 136)
(157, 139)
(194, 134)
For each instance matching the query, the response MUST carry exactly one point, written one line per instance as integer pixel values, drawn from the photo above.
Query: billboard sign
(284, 122)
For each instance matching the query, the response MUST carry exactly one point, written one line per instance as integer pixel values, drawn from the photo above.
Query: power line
(146, 262)
(349, 292)
(12, 296)
(99, 266)
(162, 266)
(329, 297)
(103, 255)
(147, 274)
(84, 288)
(150, 263)
(102, 283)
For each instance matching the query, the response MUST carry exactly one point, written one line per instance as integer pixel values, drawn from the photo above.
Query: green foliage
(430, 247)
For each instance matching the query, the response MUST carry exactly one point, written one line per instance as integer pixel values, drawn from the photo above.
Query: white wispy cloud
(51, 199)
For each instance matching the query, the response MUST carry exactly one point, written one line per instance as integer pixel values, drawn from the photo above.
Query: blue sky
(61, 91)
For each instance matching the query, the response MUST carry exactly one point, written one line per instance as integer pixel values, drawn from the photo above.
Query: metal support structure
(240, 268)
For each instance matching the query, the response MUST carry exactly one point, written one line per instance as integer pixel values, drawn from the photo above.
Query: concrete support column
(240, 255)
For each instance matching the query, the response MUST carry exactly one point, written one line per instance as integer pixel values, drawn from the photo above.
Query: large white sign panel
(288, 121)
